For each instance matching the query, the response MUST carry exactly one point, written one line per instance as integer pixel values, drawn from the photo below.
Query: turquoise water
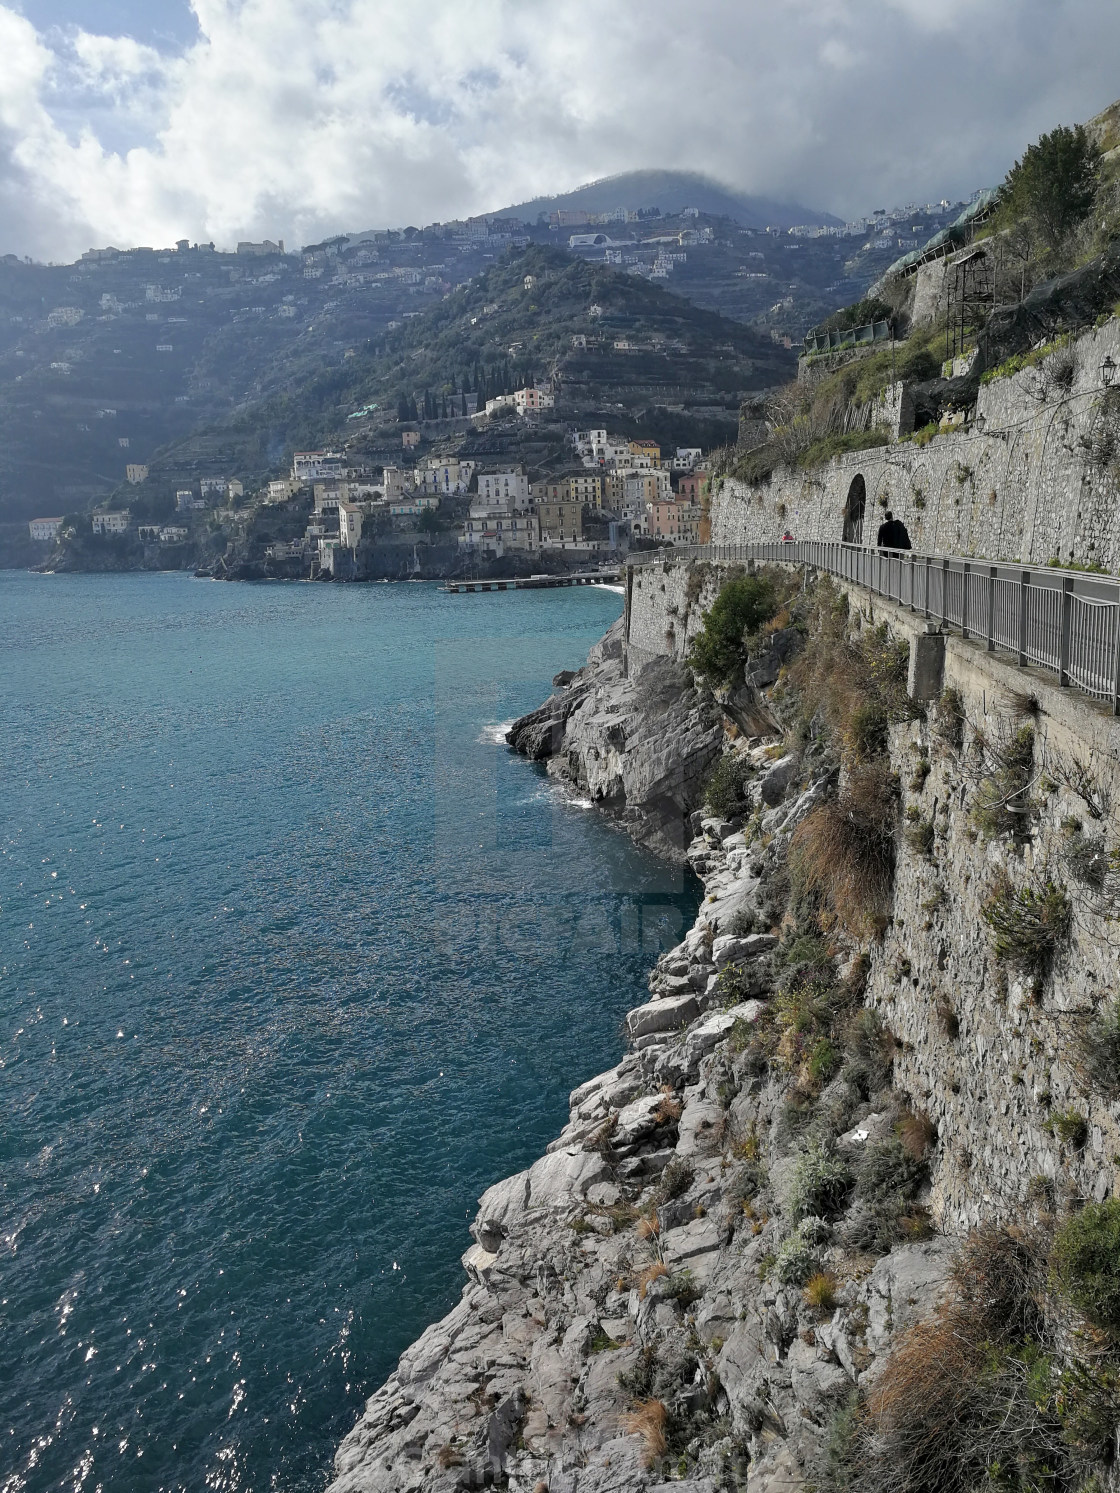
(294, 961)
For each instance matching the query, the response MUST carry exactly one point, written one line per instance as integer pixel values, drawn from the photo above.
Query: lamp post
(1108, 370)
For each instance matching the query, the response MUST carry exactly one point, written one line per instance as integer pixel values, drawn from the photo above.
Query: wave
(494, 732)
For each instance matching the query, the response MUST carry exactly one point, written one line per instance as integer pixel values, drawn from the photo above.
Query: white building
(173, 534)
(187, 502)
(44, 528)
(349, 524)
(308, 465)
(282, 489)
(687, 458)
(135, 473)
(506, 490)
(112, 522)
(445, 477)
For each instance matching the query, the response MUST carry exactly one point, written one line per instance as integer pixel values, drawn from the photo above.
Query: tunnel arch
(854, 509)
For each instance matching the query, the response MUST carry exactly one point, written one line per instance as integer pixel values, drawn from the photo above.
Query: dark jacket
(892, 535)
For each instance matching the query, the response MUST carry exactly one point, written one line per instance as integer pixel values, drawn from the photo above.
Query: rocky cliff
(814, 1228)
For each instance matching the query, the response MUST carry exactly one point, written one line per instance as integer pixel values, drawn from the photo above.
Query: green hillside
(496, 333)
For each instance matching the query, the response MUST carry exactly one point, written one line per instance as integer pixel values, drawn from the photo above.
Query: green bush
(1087, 1262)
(718, 652)
(822, 1182)
(1099, 1051)
(1002, 802)
(1053, 185)
(723, 792)
(1029, 926)
(797, 1259)
(1071, 1127)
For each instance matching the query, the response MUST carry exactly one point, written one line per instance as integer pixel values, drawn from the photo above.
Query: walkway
(1065, 621)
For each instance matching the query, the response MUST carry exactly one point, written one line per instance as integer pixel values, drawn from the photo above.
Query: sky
(145, 121)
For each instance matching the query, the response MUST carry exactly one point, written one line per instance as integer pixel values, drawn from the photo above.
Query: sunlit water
(295, 960)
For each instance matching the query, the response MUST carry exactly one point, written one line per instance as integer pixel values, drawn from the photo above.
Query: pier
(540, 582)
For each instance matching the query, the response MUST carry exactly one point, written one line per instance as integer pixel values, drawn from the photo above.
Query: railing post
(1064, 641)
(929, 562)
(991, 608)
(945, 592)
(1024, 594)
(1116, 658)
(967, 573)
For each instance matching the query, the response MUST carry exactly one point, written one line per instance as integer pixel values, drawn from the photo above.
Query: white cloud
(296, 118)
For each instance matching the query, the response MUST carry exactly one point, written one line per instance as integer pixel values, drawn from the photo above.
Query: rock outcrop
(640, 746)
(634, 1264)
(716, 1266)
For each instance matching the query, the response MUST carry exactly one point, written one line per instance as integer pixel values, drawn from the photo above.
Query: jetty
(540, 582)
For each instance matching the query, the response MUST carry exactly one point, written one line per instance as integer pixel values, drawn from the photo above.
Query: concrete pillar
(927, 664)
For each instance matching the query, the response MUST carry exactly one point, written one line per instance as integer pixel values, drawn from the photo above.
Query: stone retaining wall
(1017, 483)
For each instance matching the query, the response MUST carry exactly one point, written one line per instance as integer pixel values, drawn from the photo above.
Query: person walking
(892, 534)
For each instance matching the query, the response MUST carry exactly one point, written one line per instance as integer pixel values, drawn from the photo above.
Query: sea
(296, 958)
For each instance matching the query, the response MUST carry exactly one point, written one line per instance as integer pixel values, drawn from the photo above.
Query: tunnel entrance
(853, 511)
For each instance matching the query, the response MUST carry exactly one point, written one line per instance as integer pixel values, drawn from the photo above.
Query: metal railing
(1065, 621)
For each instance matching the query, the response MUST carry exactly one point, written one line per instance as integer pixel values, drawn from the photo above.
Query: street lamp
(1108, 370)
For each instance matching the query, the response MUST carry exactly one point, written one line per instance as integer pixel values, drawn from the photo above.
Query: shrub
(919, 836)
(675, 1180)
(887, 1181)
(1098, 1050)
(683, 1289)
(1086, 857)
(1071, 1127)
(742, 606)
(951, 717)
(822, 1182)
(1029, 926)
(867, 730)
(1087, 1262)
(917, 1135)
(969, 1399)
(844, 850)
(723, 792)
(1001, 805)
(796, 1262)
(823, 1061)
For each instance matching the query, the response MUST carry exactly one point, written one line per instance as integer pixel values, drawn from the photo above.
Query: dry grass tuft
(918, 1135)
(649, 1225)
(649, 1275)
(968, 1392)
(448, 1457)
(649, 1420)
(821, 1291)
(845, 850)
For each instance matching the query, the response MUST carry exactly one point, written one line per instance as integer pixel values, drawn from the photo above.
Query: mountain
(618, 347)
(672, 192)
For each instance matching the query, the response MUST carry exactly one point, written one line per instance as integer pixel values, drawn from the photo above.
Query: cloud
(297, 118)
